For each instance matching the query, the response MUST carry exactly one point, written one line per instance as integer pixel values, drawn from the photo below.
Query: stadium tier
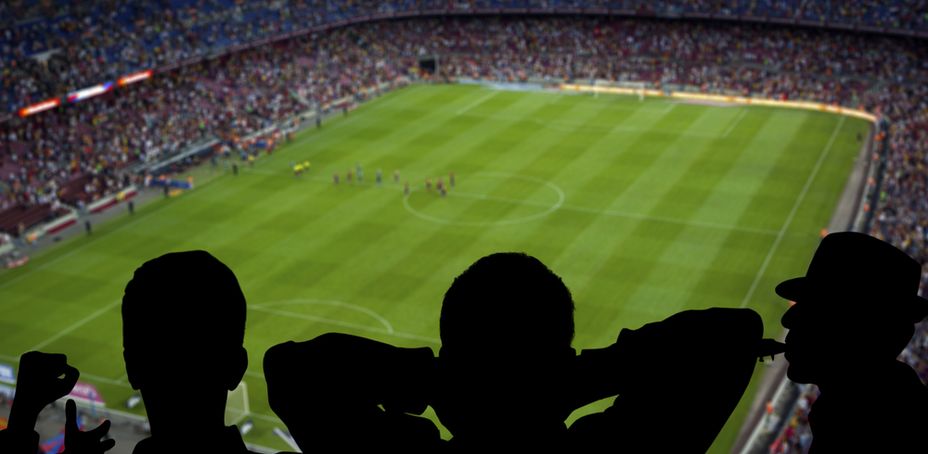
(224, 70)
(49, 48)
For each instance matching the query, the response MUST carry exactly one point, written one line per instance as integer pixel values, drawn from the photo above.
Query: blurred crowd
(87, 147)
(51, 47)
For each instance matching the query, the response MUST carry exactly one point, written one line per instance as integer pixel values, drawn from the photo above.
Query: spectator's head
(857, 303)
(506, 329)
(183, 329)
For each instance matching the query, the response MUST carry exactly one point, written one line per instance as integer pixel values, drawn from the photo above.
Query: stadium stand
(227, 68)
(53, 47)
(15, 218)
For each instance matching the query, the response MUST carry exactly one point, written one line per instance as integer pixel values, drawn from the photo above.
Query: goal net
(237, 408)
(637, 88)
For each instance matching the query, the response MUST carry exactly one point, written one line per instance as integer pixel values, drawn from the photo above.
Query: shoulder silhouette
(183, 330)
(507, 377)
(854, 311)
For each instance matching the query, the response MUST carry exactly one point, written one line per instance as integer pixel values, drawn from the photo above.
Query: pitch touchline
(792, 214)
(476, 102)
(74, 326)
(65, 255)
(736, 122)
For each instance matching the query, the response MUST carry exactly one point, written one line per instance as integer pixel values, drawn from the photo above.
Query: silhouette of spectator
(854, 312)
(677, 380)
(506, 357)
(183, 328)
(506, 331)
(343, 393)
(507, 377)
(44, 378)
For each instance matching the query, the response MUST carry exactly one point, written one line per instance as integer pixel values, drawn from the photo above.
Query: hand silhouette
(717, 342)
(89, 442)
(43, 378)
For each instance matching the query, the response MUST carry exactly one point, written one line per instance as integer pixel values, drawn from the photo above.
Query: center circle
(499, 222)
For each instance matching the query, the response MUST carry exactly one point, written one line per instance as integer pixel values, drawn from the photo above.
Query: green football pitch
(644, 208)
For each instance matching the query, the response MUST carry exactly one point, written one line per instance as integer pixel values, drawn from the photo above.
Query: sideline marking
(75, 326)
(476, 102)
(735, 123)
(792, 214)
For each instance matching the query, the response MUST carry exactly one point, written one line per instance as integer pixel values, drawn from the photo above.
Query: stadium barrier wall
(870, 192)
(106, 202)
(193, 150)
(743, 100)
(58, 224)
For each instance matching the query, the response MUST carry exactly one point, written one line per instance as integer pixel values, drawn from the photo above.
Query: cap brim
(793, 288)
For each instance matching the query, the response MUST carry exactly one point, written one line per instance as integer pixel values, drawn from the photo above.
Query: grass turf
(644, 208)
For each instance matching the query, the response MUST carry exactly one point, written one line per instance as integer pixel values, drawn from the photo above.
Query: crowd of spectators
(85, 148)
(244, 91)
(796, 436)
(51, 47)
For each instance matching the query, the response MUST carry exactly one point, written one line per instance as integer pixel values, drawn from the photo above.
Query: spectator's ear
(237, 367)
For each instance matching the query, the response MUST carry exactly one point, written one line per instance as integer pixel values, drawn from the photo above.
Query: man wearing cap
(855, 310)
